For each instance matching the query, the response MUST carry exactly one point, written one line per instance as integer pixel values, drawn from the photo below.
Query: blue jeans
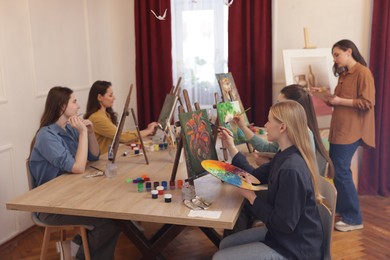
(245, 245)
(347, 199)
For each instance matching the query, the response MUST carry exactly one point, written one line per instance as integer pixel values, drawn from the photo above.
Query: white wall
(54, 42)
(328, 22)
(75, 42)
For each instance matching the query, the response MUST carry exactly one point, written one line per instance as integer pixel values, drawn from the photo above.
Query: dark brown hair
(56, 103)
(303, 97)
(345, 45)
(93, 104)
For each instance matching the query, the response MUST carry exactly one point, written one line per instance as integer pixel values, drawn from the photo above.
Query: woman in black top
(293, 225)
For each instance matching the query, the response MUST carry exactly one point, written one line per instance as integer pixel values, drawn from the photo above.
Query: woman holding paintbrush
(293, 228)
(296, 93)
(100, 112)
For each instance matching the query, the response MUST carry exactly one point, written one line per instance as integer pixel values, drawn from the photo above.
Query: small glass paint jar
(168, 198)
(154, 194)
(172, 185)
(179, 184)
(160, 190)
(140, 186)
(164, 184)
(148, 186)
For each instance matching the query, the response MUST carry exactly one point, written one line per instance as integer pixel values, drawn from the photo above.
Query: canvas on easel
(112, 152)
(226, 112)
(169, 106)
(167, 110)
(198, 141)
(115, 142)
(228, 88)
(165, 117)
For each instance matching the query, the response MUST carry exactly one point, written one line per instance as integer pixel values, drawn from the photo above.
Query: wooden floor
(373, 242)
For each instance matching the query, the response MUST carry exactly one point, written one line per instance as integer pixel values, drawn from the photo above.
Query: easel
(115, 143)
(180, 139)
(180, 142)
(230, 98)
(139, 136)
(306, 38)
(169, 104)
(223, 148)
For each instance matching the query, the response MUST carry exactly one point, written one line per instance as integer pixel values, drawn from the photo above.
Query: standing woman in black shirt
(293, 228)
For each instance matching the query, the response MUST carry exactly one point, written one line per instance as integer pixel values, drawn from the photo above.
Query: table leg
(150, 249)
(212, 235)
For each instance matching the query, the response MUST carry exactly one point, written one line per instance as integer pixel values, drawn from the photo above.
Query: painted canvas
(199, 143)
(312, 69)
(167, 110)
(226, 111)
(228, 88)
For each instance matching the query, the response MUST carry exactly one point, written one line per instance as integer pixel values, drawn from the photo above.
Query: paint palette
(231, 174)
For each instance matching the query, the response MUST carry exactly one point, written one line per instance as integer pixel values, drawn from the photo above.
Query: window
(199, 47)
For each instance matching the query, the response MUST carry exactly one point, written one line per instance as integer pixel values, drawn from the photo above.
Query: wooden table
(114, 198)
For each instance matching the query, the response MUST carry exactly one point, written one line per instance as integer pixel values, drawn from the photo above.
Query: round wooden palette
(231, 174)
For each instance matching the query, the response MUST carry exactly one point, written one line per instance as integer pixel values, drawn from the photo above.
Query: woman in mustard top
(101, 114)
(352, 125)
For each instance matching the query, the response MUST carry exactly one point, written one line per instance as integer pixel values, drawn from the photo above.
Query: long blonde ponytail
(292, 114)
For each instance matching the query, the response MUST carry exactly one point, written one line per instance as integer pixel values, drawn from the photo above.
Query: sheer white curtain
(199, 46)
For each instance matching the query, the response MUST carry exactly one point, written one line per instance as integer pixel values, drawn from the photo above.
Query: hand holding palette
(231, 174)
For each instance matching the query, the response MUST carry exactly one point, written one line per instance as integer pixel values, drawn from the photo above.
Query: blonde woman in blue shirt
(63, 144)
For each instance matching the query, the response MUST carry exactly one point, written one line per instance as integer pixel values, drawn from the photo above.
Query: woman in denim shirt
(63, 144)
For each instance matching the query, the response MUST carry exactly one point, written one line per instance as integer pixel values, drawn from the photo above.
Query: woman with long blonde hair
(293, 228)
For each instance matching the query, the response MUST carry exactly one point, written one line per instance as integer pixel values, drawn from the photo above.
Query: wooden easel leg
(177, 157)
(139, 136)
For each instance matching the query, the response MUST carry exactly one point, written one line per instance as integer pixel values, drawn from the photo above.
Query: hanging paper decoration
(160, 17)
(229, 3)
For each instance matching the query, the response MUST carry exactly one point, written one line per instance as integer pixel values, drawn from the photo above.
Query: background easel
(139, 136)
(115, 143)
(165, 124)
(306, 38)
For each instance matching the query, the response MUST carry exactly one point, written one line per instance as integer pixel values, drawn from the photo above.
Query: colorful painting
(199, 144)
(231, 174)
(228, 88)
(226, 112)
(167, 110)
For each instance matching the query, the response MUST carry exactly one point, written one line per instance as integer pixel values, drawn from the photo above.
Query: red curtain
(250, 55)
(153, 47)
(375, 175)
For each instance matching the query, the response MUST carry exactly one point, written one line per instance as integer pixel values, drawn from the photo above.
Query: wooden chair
(327, 212)
(50, 229)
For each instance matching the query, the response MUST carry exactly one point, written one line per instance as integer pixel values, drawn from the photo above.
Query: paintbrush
(218, 127)
(96, 168)
(238, 114)
(246, 110)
